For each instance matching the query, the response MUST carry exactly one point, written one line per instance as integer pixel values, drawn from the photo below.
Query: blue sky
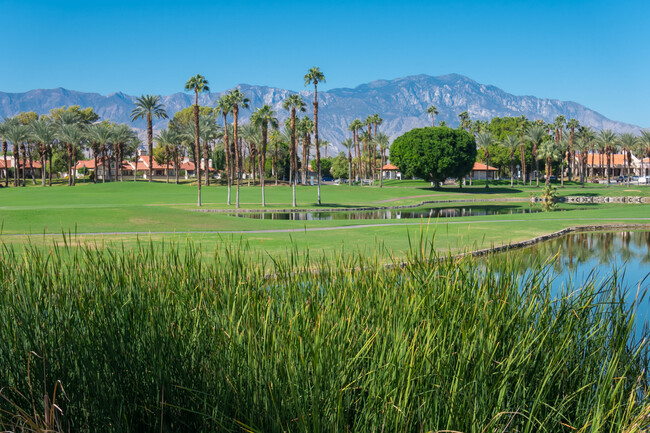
(592, 52)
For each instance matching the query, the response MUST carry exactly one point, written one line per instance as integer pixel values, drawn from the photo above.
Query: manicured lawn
(118, 210)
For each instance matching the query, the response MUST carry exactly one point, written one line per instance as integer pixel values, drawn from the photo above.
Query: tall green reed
(158, 339)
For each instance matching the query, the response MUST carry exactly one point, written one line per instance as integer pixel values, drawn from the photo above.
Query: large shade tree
(197, 84)
(149, 107)
(434, 154)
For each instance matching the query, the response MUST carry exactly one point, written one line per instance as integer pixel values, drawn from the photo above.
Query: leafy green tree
(149, 107)
(340, 166)
(293, 103)
(263, 118)
(326, 166)
(197, 84)
(84, 116)
(314, 75)
(434, 154)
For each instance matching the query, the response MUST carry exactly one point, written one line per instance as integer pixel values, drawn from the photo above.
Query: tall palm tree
(237, 98)
(100, 136)
(627, 142)
(149, 107)
(354, 126)
(68, 118)
(365, 137)
(167, 139)
(122, 135)
(465, 122)
(644, 148)
(563, 147)
(275, 137)
(582, 145)
(484, 140)
(522, 125)
(607, 140)
(535, 135)
(314, 75)
(548, 151)
(17, 134)
(263, 118)
(572, 124)
(305, 127)
(43, 133)
(3, 129)
(294, 103)
(224, 107)
(511, 142)
(383, 142)
(433, 112)
(197, 84)
(349, 144)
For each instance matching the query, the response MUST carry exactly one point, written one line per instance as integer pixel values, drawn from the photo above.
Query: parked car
(327, 179)
(644, 180)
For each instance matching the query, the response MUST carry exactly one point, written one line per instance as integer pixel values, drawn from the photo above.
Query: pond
(596, 256)
(386, 214)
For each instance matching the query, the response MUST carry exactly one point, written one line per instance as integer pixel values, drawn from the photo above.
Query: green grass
(145, 208)
(153, 339)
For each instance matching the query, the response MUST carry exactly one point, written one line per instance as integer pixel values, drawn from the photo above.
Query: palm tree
(237, 98)
(572, 124)
(100, 136)
(294, 103)
(464, 120)
(432, 111)
(484, 140)
(383, 142)
(607, 140)
(643, 148)
(549, 152)
(349, 144)
(149, 106)
(224, 106)
(305, 127)
(365, 137)
(17, 134)
(355, 125)
(135, 142)
(197, 84)
(167, 139)
(511, 142)
(263, 118)
(536, 134)
(3, 129)
(582, 144)
(43, 133)
(522, 123)
(275, 137)
(73, 135)
(314, 75)
(563, 147)
(122, 135)
(627, 142)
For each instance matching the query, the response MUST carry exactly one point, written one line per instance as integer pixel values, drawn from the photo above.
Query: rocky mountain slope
(401, 102)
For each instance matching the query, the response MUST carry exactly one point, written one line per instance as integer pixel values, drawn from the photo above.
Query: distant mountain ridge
(401, 102)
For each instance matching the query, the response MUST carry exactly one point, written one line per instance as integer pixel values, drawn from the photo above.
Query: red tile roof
(478, 166)
(389, 167)
(2, 163)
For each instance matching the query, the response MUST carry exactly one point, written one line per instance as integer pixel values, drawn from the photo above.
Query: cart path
(316, 229)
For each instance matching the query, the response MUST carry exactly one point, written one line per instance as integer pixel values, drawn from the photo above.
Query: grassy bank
(151, 339)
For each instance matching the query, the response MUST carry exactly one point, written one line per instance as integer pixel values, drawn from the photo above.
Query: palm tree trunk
(512, 169)
(316, 139)
(381, 169)
(4, 155)
(536, 168)
(562, 173)
(235, 114)
(150, 142)
(275, 170)
(16, 163)
(226, 150)
(43, 153)
(197, 147)
(487, 166)
(135, 170)
(24, 153)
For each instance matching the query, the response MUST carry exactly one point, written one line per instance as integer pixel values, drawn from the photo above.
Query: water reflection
(450, 212)
(579, 258)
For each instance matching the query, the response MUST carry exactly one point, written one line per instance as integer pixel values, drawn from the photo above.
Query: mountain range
(401, 102)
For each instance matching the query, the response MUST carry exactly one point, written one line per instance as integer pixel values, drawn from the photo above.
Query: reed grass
(156, 339)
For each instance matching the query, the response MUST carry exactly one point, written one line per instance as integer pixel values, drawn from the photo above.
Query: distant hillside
(400, 102)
